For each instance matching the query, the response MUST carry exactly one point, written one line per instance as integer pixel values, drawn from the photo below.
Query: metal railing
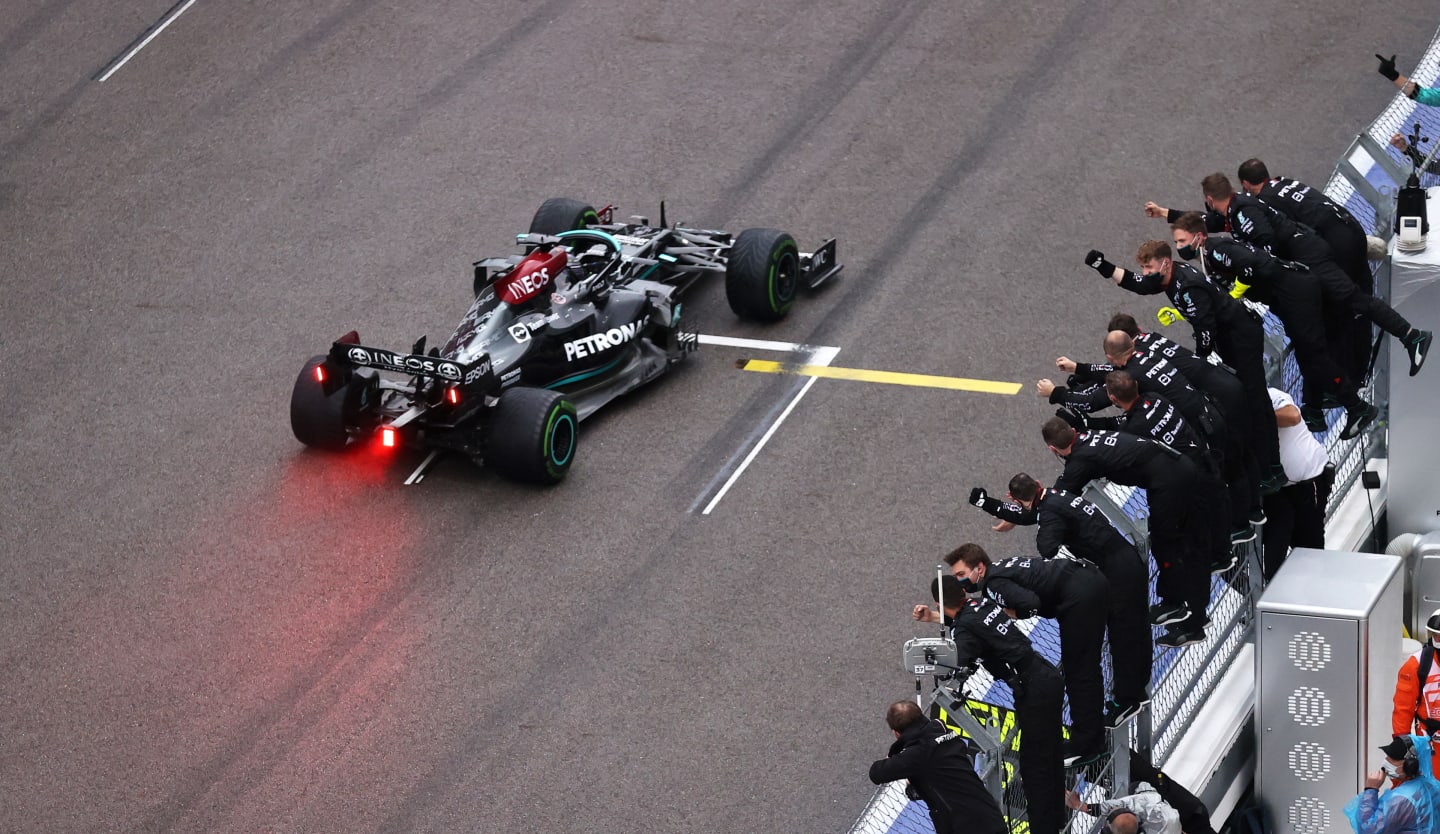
(1365, 180)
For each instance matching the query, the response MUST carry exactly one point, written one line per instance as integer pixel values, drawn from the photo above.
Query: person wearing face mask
(1219, 323)
(1155, 373)
(1417, 688)
(1071, 592)
(1296, 301)
(984, 634)
(1260, 445)
(1254, 222)
(1412, 805)
(1080, 527)
(1336, 226)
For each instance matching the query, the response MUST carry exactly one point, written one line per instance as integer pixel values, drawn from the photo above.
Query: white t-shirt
(1302, 456)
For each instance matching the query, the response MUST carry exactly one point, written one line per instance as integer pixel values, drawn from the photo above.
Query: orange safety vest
(1417, 704)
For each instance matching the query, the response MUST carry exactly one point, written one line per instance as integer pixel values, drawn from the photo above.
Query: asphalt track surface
(205, 627)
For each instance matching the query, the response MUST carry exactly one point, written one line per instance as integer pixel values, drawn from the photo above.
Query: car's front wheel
(562, 214)
(531, 436)
(762, 274)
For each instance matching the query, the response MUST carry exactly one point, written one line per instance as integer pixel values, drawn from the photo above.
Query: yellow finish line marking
(953, 383)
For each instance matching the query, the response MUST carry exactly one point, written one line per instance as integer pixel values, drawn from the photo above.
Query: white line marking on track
(419, 474)
(821, 356)
(760, 344)
(166, 21)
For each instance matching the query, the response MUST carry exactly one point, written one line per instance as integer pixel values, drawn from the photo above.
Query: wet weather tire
(762, 274)
(561, 214)
(318, 419)
(532, 435)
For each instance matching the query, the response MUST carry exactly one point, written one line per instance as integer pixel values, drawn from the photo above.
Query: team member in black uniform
(1218, 321)
(1296, 301)
(984, 633)
(1072, 593)
(1156, 374)
(941, 771)
(1336, 226)
(1153, 372)
(1149, 415)
(1078, 525)
(1225, 390)
(1254, 222)
(1187, 523)
(1155, 417)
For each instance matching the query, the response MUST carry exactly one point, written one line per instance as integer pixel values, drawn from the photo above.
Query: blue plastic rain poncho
(1412, 807)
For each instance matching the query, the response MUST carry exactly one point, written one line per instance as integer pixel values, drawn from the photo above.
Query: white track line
(759, 344)
(169, 19)
(821, 356)
(419, 474)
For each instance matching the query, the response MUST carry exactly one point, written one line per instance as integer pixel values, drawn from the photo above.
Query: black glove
(978, 496)
(910, 792)
(1096, 261)
(1387, 67)
(1076, 420)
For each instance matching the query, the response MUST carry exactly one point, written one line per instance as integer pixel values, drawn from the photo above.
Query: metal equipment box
(1327, 650)
(1412, 499)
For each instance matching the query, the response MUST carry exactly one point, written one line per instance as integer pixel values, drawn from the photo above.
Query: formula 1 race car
(589, 311)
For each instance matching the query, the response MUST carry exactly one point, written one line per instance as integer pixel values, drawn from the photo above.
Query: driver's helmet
(593, 260)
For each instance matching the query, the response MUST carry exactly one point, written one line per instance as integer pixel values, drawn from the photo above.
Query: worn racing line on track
(230, 99)
(952, 383)
(847, 71)
(853, 67)
(1011, 112)
(408, 120)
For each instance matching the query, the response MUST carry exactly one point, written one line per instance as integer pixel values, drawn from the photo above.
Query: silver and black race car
(590, 310)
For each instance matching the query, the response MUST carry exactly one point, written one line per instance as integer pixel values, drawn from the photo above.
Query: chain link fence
(1365, 180)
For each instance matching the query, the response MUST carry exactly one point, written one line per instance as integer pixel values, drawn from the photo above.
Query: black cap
(954, 593)
(1397, 748)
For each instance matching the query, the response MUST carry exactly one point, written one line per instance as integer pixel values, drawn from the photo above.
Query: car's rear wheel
(762, 274)
(319, 419)
(561, 214)
(532, 435)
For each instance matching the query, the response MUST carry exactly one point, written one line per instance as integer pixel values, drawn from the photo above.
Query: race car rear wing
(411, 364)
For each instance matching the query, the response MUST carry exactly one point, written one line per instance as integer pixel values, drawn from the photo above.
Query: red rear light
(320, 374)
(387, 437)
(452, 396)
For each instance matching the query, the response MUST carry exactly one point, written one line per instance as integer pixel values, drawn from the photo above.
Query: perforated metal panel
(1308, 815)
(1326, 654)
(1308, 706)
(1310, 762)
(1309, 651)
(1309, 673)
